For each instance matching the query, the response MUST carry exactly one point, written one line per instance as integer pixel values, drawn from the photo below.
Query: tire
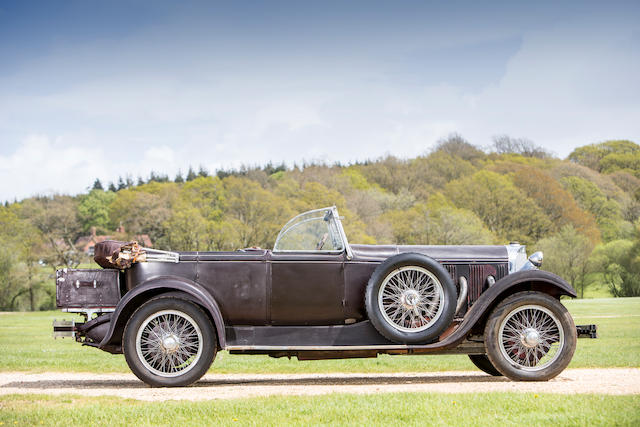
(530, 336)
(164, 332)
(483, 363)
(410, 299)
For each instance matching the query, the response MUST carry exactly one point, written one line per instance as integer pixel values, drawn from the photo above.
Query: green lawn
(334, 409)
(27, 346)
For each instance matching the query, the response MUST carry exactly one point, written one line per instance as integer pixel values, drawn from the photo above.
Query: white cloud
(566, 86)
(70, 164)
(43, 166)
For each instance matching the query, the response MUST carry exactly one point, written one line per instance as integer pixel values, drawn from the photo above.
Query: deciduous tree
(504, 209)
(93, 210)
(567, 255)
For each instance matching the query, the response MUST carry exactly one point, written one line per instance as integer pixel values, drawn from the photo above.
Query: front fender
(530, 280)
(156, 286)
(535, 280)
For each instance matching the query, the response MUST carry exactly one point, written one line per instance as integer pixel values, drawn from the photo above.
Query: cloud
(70, 164)
(43, 166)
(163, 100)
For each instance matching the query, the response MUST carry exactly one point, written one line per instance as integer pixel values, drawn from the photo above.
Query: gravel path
(229, 386)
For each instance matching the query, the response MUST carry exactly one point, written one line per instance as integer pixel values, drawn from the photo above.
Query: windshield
(315, 230)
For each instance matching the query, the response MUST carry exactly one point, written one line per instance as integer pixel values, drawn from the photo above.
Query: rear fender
(154, 287)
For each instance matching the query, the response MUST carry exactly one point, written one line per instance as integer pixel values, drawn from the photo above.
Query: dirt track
(221, 386)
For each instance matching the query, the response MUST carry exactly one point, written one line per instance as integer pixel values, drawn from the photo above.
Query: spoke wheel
(530, 336)
(169, 342)
(410, 298)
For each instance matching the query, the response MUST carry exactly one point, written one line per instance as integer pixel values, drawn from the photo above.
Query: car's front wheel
(530, 336)
(169, 342)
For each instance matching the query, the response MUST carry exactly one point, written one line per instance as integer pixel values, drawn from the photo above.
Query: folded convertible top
(121, 255)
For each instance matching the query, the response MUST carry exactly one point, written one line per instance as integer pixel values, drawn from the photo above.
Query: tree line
(582, 211)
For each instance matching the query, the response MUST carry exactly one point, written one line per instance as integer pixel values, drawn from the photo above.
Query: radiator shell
(87, 288)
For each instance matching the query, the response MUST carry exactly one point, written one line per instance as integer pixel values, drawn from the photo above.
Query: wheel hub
(170, 343)
(410, 299)
(530, 338)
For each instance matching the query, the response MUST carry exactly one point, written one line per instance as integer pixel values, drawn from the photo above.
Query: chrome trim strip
(310, 261)
(462, 298)
(347, 248)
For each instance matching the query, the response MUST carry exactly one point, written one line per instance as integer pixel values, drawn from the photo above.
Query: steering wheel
(321, 242)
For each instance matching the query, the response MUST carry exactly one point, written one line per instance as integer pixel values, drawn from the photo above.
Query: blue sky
(100, 89)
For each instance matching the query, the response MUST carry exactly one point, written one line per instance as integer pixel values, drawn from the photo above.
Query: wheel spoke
(169, 343)
(531, 337)
(410, 298)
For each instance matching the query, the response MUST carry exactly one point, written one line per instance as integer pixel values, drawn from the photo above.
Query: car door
(307, 289)
(307, 271)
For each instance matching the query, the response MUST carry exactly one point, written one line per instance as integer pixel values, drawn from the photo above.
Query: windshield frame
(332, 211)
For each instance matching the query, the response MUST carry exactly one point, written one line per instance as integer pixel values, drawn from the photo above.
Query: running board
(352, 336)
(465, 347)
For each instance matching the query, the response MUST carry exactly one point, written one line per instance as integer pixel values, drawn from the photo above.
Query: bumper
(65, 328)
(587, 331)
(89, 333)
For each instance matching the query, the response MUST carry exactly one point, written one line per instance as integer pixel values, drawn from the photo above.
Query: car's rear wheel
(530, 336)
(410, 298)
(483, 363)
(169, 342)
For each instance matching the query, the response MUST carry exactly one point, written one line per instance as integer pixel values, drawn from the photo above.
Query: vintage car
(315, 296)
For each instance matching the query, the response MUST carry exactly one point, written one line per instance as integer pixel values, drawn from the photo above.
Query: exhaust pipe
(462, 296)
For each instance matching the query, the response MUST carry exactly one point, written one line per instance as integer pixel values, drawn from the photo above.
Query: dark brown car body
(312, 304)
(303, 304)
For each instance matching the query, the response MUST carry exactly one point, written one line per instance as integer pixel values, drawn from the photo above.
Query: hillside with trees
(583, 211)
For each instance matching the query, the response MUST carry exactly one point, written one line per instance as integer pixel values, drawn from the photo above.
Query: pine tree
(191, 175)
(179, 179)
(203, 172)
(121, 184)
(97, 185)
(112, 187)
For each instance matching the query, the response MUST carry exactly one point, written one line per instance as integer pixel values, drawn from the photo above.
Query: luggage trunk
(95, 288)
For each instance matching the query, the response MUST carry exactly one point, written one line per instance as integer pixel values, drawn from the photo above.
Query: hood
(466, 253)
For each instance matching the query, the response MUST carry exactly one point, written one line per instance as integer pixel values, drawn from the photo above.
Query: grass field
(334, 409)
(27, 346)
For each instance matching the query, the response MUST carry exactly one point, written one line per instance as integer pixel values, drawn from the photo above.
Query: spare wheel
(410, 298)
